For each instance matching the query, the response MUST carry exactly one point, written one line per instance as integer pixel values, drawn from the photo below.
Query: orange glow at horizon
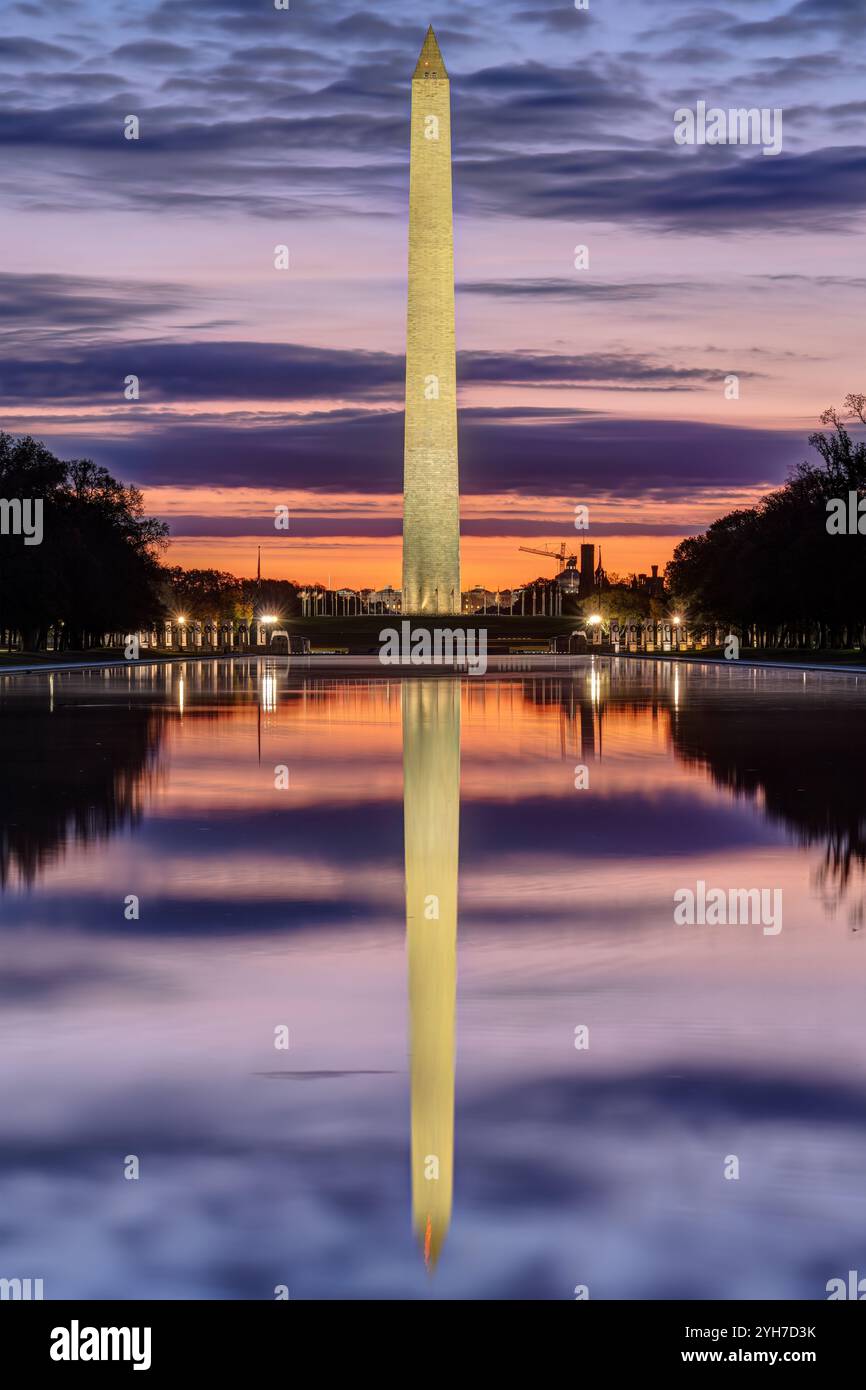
(350, 559)
(358, 562)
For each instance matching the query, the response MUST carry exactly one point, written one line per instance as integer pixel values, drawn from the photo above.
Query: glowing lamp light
(595, 620)
(269, 620)
(677, 622)
(181, 622)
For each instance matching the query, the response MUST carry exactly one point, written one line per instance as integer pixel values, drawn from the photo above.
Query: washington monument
(431, 501)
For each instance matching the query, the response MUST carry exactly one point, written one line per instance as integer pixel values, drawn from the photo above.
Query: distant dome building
(568, 583)
(478, 599)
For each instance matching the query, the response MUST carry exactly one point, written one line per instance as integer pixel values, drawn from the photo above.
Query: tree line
(93, 570)
(790, 571)
(787, 572)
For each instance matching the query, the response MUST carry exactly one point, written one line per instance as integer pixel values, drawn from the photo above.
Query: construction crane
(562, 556)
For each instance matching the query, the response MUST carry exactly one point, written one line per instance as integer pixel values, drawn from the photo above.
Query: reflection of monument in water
(431, 818)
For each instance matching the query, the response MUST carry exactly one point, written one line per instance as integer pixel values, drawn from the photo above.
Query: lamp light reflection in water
(269, 693)
(594, 686)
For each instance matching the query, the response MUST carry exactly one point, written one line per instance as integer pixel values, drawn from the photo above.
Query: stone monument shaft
(431, 501)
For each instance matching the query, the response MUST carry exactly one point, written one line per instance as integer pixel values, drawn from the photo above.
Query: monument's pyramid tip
(430, 63)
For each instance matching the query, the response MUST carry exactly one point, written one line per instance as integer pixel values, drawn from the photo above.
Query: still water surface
(431, 908)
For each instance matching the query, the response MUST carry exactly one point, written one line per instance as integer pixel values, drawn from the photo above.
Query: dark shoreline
(497, 663)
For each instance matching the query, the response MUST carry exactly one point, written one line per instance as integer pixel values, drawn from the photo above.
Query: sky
(603, 386)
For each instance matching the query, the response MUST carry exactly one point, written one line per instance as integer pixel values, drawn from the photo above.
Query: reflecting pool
(509, 1072)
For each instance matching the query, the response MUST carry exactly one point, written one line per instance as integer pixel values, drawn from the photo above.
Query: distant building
(600, 577)
(478, 599)
(587, 571)
(388, 599)
(655, 586)
(570, 583)
(649, 584)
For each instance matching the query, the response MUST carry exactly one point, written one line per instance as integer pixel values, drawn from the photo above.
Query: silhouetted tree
(204, 595)
(620, 603)
(96, 569)
(774, 572)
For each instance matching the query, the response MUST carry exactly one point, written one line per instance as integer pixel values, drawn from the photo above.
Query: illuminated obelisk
(431, 502)
(431, 819)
